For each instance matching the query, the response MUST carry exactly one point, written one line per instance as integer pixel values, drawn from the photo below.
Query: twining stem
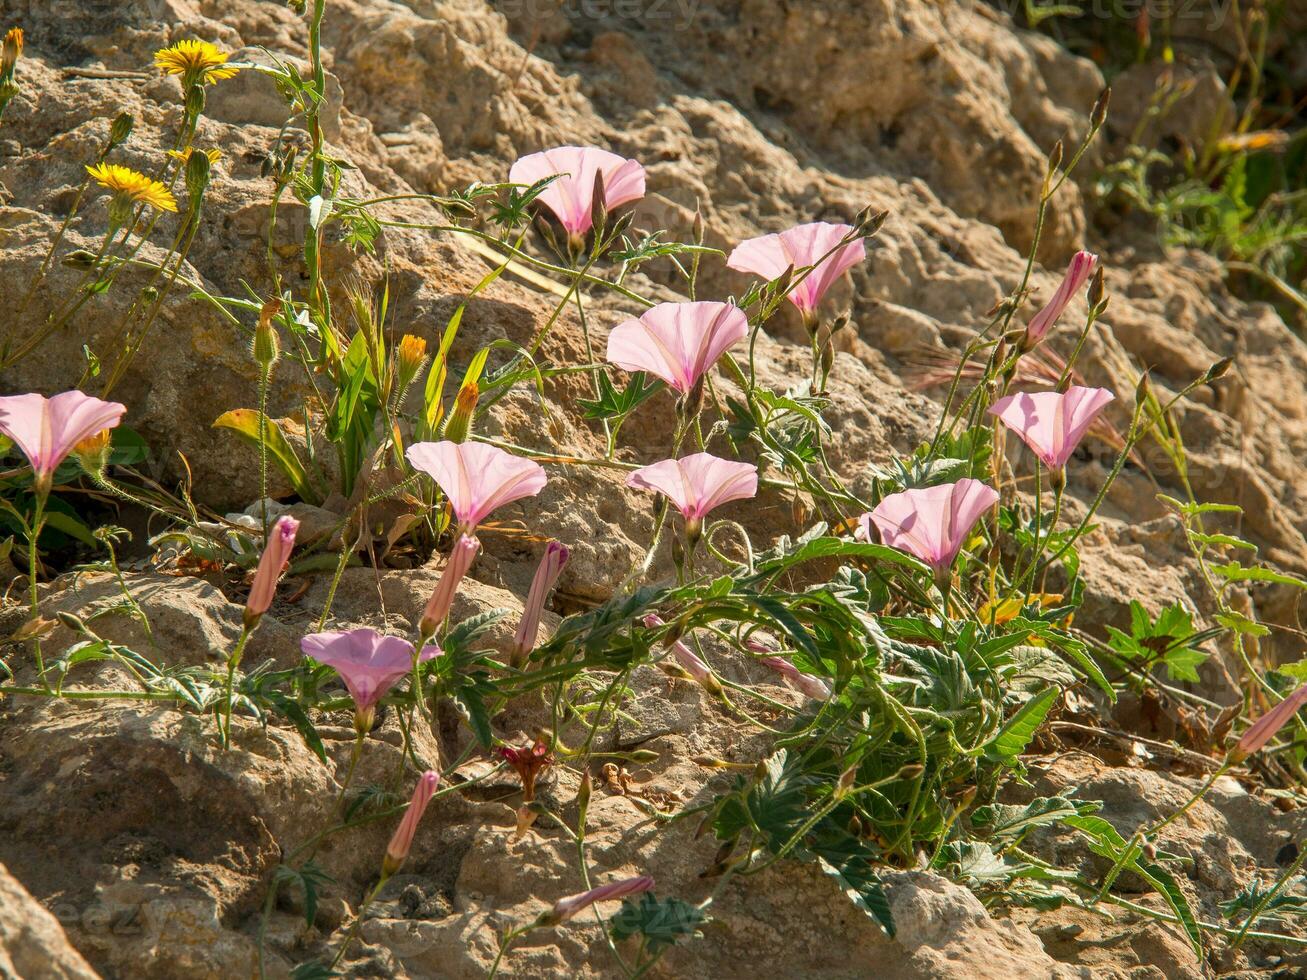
(232, 663)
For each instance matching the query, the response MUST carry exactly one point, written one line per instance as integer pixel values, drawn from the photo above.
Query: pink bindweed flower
(690, 661)
(571, 196)
(47, 429)
(678, 342)
(442, 596)
(1077, 274)
(370, 664)
(476, 478)
(1052, 423)
(805, 245)
(401, 842)
(566, 908)
(276, 556)
(1264, 728)
(931, 523)
(813, 687)
(551, 566)
(697, 484)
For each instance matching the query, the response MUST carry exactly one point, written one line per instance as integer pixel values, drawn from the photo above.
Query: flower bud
(1099, 114)
(459, 424)
(121, 129)
(402, 840)
(566, 908)
(93, 452)
(410, 356)
(10, 52)
(546, 576)
(197, 175)
(442, 596)
(276, 556)
(266, 348)
(1265, 728)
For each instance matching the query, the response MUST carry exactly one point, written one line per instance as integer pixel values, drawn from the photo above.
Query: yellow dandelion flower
(213, 153)
(128, 185)
(195, 61)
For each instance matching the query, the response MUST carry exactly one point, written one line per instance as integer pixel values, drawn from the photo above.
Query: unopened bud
(696, 230)
(121, 129)
(1218, 370)
(10, 52)
(1095, 294)
(598, 204)
(266, 348)
(93, 452)
(1054, 159)
(459, 424)
(410, 356)
(1099, 114)
(197, 175)
(1143, 390)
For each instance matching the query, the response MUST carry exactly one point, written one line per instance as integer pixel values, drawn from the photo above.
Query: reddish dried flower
(529, 762)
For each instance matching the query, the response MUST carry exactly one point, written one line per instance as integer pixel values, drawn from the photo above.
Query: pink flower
(276, 556)
(813, 687)
(551, 566)
(800, 247)
(442, 596)
(1264, 728)
(678, 342)
(698, 484)
(566, 908)
(932, 523)
(1077, 274)
(690, 661)
(402, 840)
(47, 429)
(366, 661)
(1052, 423)
(476, 478)
(570, 196)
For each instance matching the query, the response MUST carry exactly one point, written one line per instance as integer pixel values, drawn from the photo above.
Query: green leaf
(662, 922)
(1008, 822)
(245, 423)
(1013, 737)
(612, 404)
(863, 889)
(1235, 572)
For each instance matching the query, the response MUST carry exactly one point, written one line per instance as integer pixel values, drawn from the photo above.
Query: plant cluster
(926, 628)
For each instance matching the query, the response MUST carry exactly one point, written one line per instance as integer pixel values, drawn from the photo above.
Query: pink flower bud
(551, 566)
(402, 841)
(1264, 728)
(813, 687)
(566, 908)
(688, 659)
(1077, 274)
(442, 596)
(276, 555)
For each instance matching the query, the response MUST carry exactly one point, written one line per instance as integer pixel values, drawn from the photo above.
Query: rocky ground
(133, 846)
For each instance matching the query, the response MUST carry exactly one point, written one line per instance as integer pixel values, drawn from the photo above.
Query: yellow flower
(195, 61)
(214, 154)
(410, 355)
(998, 612)
(1262, 139)
(10, 51)
(128, 185)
